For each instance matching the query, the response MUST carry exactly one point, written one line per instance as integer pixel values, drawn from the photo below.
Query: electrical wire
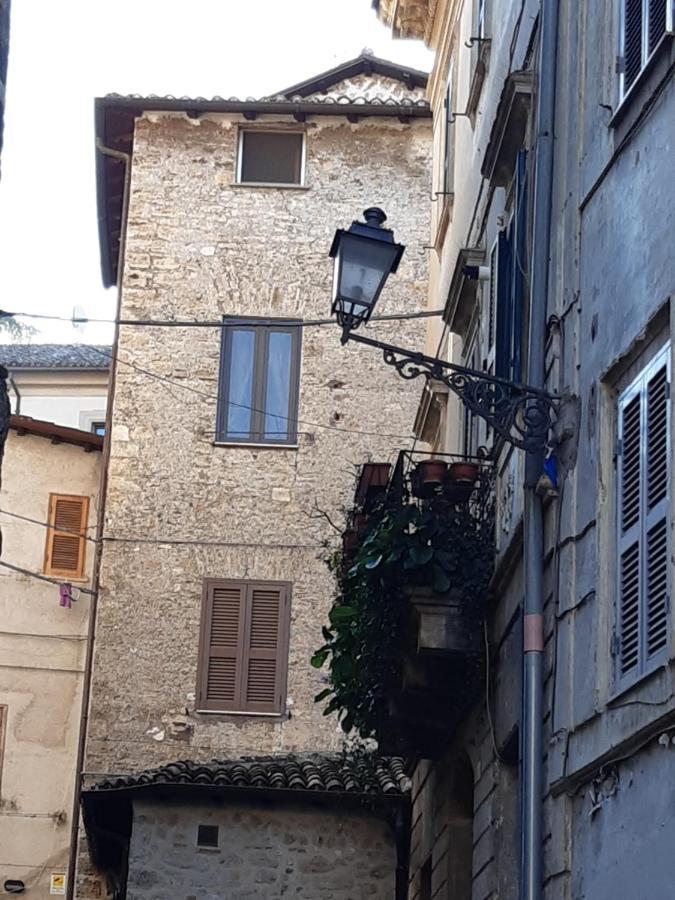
(77, 533)
(205, 323)
(22, 571)
(291, 419)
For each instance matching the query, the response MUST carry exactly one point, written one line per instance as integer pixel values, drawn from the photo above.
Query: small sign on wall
(57, 883)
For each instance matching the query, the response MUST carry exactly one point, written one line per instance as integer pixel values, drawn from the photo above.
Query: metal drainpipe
(17, 395)
(125, 159)
(531, 876)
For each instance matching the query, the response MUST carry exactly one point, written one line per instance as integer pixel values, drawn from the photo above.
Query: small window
(207, 836)
(64, 549)
(643, 24)
(643, 515)
(98, 428)
(270, 157)
(244, 646)
(259, 382)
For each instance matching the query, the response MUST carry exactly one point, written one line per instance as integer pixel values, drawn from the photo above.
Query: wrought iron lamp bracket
(519, 414)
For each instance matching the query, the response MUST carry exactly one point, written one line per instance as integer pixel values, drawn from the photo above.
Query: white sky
(64, 54)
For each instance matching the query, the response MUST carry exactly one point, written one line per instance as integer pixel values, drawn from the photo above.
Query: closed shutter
(244, 646)
(64, 549)
(643, 510)
(449, 143)
(504, 305)
(632, 41)
(265, 662)
(658, 14)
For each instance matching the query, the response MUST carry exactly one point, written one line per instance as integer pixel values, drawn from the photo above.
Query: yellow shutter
(64, 551)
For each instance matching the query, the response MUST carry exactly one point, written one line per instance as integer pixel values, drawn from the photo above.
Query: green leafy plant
(434, 545)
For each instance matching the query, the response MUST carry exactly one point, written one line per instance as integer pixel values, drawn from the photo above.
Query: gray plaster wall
(264, 852)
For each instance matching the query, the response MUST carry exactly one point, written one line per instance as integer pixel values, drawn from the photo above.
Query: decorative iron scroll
(521, 415)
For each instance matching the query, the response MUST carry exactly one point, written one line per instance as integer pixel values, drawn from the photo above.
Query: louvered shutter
(643, 528)
(658, 24)
(448, 148)
(65, 544)
(657, 466)
(632, 41)
(222, 643)
(265, 647)
(503, 306)
(630, 431)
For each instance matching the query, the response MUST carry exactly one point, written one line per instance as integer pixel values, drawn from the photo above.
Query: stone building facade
(189, 235)
(609, 699)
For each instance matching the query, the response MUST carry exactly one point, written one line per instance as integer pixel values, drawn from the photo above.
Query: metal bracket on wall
(519, 414)
(477, 40)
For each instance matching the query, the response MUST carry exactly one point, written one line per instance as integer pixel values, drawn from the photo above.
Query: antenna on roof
(78, 313)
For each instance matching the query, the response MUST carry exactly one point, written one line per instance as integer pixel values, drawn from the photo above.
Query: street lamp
(365, 256)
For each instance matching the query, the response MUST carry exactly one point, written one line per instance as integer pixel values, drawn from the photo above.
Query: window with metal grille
(643, 500)
(259, 382)
(270, 157)
(643, 24)
(243, 652)
(65, 543)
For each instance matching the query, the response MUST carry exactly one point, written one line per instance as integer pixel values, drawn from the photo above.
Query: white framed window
(271, 157)
(642, 618)
(643, 24)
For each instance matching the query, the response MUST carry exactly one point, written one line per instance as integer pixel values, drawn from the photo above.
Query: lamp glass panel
(364, 264)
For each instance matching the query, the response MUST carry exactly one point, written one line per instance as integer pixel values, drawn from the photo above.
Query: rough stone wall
(264, 852)
(200, 247)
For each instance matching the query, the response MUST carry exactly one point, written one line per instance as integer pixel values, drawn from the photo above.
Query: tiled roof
(359, 775)
(55, 356)
(366, 63)
(222, 104)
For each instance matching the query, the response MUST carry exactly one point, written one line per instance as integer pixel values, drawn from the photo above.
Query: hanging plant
(436, 545)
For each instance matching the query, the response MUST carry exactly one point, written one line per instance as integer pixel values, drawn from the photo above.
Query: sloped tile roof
(55, 356)
(359, 775)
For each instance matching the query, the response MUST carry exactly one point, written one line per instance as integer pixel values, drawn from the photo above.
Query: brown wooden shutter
(64, 550)
(244, 646)
(266, 647)
(221, 645)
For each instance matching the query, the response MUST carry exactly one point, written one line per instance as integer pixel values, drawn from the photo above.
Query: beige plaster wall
(179, 508)
(42, 651)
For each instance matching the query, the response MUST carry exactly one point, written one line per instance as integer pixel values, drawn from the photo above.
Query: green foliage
(435, 545)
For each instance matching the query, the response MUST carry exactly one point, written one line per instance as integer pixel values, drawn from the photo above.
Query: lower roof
(360, 775)
(56, 434)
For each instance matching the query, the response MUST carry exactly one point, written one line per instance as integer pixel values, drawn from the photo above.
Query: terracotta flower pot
(431, 471)
(463, 472)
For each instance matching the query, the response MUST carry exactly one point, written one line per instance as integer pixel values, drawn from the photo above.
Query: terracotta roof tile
(359, 774)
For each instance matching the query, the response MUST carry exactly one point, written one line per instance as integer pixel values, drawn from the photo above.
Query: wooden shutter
(244, 646)
(502, 351)
(658, 22)
(643, 511)
(448, 145)
(632, 41)
(64, 550)
(266, 647)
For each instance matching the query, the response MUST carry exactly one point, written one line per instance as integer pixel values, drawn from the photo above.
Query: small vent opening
(207, 836)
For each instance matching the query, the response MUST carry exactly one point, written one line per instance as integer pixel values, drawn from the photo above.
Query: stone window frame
(277, 128)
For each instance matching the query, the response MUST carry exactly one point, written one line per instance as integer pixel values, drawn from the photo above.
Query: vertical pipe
(125, 159)
(531, 881)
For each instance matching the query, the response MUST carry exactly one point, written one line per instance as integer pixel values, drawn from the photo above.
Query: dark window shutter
(658, 21)
(244, 646)
(266, 650)
(222, 642)
(519, 268)
(657, 464)
(629, 538)
(448, 154)
(632, 41)
(64, 550)
(643, 510)
(492, 295)
(504, 307)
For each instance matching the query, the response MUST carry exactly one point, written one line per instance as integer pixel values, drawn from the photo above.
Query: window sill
(637, 683)
(238, 714)
(270, 184)
(66, 579)
(644, 86)
(253, 446)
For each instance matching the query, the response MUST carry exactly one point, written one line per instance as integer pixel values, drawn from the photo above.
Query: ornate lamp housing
(364, 257)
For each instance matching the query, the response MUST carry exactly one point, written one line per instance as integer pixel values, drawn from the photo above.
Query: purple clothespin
(65, 596)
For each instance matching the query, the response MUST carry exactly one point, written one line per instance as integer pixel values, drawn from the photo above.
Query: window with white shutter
(244, 646)
(643, 501)
(643, 24)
